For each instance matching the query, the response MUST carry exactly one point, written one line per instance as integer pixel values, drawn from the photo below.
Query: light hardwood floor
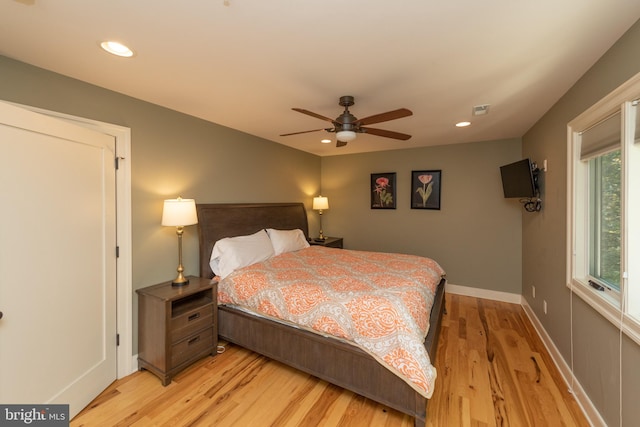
(493, 370)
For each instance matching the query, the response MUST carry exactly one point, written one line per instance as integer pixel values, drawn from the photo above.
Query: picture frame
(426, 189)
(383, 190)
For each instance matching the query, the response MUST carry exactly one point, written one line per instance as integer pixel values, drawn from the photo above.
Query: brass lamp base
(180, 281)
(321, 237)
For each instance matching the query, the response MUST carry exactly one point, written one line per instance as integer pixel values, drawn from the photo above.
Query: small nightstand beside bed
(330, 358)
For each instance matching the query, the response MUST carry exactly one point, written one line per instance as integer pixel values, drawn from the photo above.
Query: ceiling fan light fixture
(345, 135)
(346, 126)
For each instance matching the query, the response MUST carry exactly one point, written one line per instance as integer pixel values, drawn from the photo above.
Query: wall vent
(480, 110)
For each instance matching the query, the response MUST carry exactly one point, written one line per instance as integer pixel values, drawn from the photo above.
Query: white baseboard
(483, 293)
(589, 410)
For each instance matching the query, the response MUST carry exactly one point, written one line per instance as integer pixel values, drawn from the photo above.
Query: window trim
(614, 310)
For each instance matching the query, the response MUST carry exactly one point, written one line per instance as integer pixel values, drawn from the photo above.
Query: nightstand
(329, 242)
(177, 325)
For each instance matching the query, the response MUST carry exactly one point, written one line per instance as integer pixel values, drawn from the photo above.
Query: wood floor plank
(493, 370)
(291, 412)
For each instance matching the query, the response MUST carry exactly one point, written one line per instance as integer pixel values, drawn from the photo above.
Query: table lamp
(179, 213)
(319, 204)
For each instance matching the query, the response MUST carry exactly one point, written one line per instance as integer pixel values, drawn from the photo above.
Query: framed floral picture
(425, 189)
(383, 190)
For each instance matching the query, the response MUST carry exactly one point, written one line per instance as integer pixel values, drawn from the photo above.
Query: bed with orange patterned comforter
(378, 301)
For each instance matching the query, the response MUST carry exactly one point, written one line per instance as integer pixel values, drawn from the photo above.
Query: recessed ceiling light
(462, 124)
(116, 48)
(326, 141)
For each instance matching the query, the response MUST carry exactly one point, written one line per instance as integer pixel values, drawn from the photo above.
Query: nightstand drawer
(191, 321)
(190, 347)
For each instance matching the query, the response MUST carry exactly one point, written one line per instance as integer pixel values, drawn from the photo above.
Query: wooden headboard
(217, 221)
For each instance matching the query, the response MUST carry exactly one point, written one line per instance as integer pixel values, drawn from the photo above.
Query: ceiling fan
(346, 126)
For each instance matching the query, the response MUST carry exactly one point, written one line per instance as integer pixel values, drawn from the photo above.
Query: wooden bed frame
(329, 359)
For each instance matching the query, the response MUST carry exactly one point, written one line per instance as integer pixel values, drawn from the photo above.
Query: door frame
(124, 313)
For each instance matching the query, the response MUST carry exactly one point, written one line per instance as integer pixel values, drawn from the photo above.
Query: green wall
(475, 235)
(596, 342)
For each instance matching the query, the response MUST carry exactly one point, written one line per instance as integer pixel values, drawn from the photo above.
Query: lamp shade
(179, 212)
(345, 135)
(320, 203)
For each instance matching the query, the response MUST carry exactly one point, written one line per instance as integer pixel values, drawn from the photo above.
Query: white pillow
(232, 253)
(287, 240)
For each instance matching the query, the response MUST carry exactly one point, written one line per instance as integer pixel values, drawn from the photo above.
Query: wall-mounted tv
(519, 179)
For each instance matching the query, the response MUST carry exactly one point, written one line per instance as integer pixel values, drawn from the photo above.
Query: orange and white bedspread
(381, 302)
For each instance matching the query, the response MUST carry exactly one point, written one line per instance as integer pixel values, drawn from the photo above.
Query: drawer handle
(194, 340)
(193, 317)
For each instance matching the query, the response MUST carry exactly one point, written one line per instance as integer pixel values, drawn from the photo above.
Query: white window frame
(614, 306)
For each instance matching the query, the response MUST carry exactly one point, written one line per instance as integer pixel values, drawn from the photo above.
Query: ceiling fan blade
(386, 133)
(385, 117)
(312, 114)
(304, 131)
(341, 143)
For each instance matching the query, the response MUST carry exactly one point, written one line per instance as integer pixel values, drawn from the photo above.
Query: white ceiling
(245, 63)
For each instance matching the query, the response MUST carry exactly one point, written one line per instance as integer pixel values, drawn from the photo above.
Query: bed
(330, 359)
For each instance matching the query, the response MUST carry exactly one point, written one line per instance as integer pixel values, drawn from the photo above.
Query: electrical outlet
(544, 165)
(533, 290)
(544, 306)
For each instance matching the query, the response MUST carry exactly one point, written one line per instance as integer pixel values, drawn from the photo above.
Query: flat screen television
(518, 179)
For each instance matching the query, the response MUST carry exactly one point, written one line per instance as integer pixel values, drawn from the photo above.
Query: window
(604, 218)
(604, 207)
(600, 147)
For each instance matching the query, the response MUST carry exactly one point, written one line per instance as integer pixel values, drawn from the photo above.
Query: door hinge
(118, 162)
(117, 340)
(117, 251)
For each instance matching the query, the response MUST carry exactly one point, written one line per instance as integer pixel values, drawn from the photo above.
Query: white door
(57, 260)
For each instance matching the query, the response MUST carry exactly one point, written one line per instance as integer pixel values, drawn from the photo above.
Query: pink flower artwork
(427, 185)
(382, 192)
